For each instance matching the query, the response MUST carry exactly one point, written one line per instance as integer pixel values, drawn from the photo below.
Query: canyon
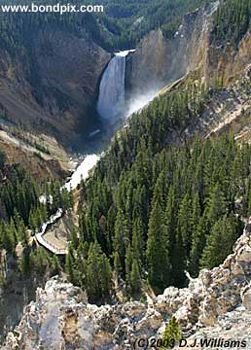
(86, 91)
(217, 304)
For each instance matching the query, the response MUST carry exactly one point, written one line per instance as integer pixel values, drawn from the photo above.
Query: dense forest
(124, 22)
(121, 26)
(158, 203)
(22, 213)
(232, 20)
(153, 210)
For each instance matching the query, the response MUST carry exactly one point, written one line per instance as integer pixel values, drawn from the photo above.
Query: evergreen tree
(198, 244)
(172, 334)
(121, 238)
(135, 280)
(184, 224)
(216, 204)
(179, 263)
(138, 245)
(98, 274)
(220, 241)
(69, 264)
(157, 250)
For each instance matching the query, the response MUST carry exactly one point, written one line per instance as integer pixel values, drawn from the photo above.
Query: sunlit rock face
(216, 304)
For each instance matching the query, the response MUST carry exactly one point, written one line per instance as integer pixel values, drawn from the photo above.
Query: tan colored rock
(64, 85)
(61, 318)
(246, 297)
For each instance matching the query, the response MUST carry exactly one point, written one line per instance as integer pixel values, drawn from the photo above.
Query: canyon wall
(159, 60)
(52, 84)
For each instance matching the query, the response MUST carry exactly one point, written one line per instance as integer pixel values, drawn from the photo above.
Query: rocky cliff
(52, 84)
(227, 109)
(163, 60)
(159, 60)
(216, 304)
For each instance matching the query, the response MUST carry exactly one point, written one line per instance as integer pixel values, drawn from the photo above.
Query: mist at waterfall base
(112, 105)
(138, 102)
(113, 109)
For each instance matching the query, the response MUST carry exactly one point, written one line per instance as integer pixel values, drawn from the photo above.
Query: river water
(112, 109)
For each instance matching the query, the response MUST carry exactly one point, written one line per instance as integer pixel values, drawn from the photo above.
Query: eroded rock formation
(159, 60)
(216, 304)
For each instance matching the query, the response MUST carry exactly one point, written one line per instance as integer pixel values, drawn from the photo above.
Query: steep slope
(51, 65)
(61, 317)
(42, 155)
(158, 192)
(49, 78)
(196, 45)
(166, 59)
(227, 109)
(158, 203)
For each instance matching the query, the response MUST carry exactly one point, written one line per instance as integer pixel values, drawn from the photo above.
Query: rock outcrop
(216, 304)
(159, 61)
(227, 109)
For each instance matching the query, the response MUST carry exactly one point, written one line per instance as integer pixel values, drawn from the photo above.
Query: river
(112, 109)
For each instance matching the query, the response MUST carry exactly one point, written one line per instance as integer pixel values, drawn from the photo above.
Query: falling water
(111, 101)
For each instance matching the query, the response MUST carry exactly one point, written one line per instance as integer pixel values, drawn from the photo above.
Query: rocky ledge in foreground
(216, 304)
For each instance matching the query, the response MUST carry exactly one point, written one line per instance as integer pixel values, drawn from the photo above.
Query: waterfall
(111, 101)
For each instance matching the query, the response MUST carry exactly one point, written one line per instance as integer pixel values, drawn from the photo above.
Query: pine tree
(117, 264)
(172, 334)
(69, 264)
(128, 265)
(171, 222)
(98, 274)
(138, 245)
(198, 244)
(106, 277)
(216, 205)
(179, 263)
(121, 238)
(157, 250)
(184, 224)
(220, 241)
(135, 280)
(74, 238)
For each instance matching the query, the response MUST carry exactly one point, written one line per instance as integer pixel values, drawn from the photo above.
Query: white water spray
(111, 101)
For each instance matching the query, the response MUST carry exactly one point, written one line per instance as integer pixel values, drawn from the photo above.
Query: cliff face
(52, 84)
(227, 109)
(148, 66)
(159, 61)
(61, 318)
(228, 62)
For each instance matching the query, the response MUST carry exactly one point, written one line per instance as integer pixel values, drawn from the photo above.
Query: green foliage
(129, 21)
(232, 20)
(22, 214)
(172, 334)
(121, 26)
(220, 241)
(157, 250)
(39, 262)
(87, 266)
(98, 274)
(153, 207)
(176, 218)
(135, 279)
